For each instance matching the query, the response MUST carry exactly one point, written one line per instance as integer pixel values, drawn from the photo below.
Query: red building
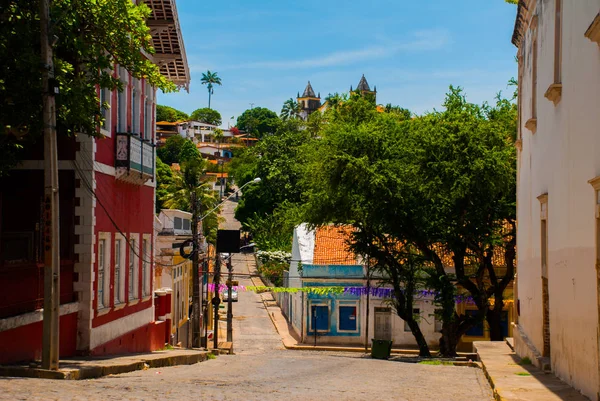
(107, 188)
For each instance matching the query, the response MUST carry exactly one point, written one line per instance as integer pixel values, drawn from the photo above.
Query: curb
(92, 372)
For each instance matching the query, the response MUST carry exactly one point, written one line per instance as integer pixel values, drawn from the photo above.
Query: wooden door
(383, 324)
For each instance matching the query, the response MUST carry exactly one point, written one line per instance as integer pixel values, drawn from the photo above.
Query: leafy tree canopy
(169, 153)
(188, 152)
(164, 178)
(92, 36)
(258, 121)
(442, 183)
(167, 113)
(207, 116)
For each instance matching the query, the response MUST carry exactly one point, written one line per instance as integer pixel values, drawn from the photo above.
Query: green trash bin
(381, 349)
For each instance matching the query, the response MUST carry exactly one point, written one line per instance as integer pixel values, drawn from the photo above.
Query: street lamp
(198, 299)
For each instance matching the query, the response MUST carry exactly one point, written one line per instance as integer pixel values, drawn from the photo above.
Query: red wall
(131, 208)
(25, 343)
(150, 337)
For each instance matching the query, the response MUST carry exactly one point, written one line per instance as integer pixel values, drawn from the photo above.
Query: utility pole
(50, 343)
(229, 301)
(368, 307)
(216, 301)
(196, 274)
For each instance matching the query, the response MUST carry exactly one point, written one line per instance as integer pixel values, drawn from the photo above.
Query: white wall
(559, 159)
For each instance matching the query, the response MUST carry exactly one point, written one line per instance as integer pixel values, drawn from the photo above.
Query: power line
(129, 242)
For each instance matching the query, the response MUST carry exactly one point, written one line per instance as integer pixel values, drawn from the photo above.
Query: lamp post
(198, 280)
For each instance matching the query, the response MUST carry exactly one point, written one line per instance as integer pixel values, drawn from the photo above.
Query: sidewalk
(89, 368)
(511, 381)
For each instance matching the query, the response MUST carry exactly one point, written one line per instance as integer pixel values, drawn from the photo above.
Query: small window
(118, 266)
(186, 224)
(416, 315)
(105, 105)
(178, 223)
(133, 269)
(319, 318)
(146, 255)
(101, 269)
(348, 318)
(122, 101)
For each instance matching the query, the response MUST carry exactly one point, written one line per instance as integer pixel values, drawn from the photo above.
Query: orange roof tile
(218, 175)
(331, 248)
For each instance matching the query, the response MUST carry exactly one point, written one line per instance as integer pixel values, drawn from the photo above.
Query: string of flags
(336, 290)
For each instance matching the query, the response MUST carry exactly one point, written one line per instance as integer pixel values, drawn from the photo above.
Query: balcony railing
(134, 159)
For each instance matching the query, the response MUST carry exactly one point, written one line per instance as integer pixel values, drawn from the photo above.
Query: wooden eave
(167, 40)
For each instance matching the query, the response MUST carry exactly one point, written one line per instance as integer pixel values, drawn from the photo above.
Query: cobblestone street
(263, 370)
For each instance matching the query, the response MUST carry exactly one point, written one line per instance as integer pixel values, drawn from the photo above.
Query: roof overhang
(520, 23)
(167, 40)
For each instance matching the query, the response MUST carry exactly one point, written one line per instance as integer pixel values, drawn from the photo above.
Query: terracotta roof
(331, 248)
(218, 175)
(167, 123)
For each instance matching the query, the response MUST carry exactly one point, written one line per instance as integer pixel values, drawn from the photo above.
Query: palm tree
(208, 79)
(190, 192)
(290, 109)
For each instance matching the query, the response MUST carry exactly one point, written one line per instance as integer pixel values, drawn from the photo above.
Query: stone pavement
(513, 382)
(88, 368)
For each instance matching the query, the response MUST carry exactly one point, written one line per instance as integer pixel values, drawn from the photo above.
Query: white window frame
(354, 304)
(106, 97)
(136, 97)
(146, 270)
(406, 326)
(133, 268)
(319, 302)
(122, 101)
(103, 281)
(119, 295)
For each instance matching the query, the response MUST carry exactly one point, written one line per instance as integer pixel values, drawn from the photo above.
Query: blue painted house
(320, 258)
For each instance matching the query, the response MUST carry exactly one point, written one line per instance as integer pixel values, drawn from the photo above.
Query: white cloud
(420, 41)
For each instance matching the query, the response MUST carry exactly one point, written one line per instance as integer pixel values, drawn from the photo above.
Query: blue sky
(266, 51)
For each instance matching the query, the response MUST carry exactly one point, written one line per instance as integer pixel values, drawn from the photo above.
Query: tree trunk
(494, 320)
(421, 342)
(449, 340)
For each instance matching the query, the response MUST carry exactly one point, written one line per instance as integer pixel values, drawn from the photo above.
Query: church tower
(364, 89)
(308, 102)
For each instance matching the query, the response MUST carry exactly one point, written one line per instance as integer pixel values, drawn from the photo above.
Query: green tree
(167, 113)
(349, 171)
(290, 109)
(207, 115)
(188, 182)
(270, 209)
(164, 178)
(170, 151)
(92, 36)
(210, 79)
(401, 112)
(258, 121)
(442, 184)
(188, 152)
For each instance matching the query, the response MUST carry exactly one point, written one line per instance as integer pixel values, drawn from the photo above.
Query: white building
(557, 290)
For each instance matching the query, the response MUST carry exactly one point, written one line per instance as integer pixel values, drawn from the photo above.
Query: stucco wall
(559, 159)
